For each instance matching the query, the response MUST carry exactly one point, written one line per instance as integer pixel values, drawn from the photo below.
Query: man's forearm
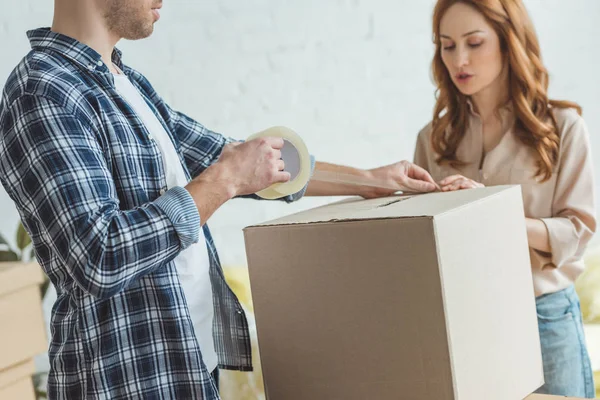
(210, 190)
(318, 188)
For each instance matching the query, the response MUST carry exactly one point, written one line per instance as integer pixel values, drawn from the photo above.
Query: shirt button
(90, 66)
(162, 191)
(99, 63)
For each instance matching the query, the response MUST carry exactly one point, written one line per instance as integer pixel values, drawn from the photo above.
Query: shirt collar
(46, 39)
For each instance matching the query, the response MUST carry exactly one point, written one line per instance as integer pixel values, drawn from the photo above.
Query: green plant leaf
(23, 239)
(38, 383)
(8, 256)
(41, 394)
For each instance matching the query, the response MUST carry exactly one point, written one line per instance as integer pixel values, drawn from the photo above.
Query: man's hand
(242, 168)
(404, 174)
(252, 166)
(458, 182)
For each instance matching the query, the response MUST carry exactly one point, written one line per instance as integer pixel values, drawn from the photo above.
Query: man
(115, 188)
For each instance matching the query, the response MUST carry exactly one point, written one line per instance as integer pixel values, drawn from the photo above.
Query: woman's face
(470, 49)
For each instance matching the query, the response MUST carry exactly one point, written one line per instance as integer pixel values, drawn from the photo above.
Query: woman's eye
(448, 47)
(474, 45)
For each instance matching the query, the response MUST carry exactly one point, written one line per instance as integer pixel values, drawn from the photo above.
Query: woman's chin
(467, 90)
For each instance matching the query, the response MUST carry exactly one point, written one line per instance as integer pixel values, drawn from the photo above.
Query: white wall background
(351, 76)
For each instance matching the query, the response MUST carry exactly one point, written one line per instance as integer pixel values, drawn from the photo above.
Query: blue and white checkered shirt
(90, 188)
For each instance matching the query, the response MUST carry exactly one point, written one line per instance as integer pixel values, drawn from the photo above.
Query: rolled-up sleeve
(179, 206)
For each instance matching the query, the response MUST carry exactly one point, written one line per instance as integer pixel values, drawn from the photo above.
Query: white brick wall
(352, 77)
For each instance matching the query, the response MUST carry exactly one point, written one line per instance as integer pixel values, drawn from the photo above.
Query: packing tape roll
(296, 158)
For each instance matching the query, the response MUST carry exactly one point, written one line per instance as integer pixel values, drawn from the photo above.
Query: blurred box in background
(22, 328)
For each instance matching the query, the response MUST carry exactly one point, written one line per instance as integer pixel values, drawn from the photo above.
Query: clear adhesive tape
(296, 158)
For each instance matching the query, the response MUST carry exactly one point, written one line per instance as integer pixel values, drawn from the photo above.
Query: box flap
(404, 206)
(17, 275)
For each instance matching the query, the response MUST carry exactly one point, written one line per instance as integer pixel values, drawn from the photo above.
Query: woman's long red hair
(535, 124)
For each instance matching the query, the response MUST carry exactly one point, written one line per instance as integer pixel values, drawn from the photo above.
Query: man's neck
(79, 20)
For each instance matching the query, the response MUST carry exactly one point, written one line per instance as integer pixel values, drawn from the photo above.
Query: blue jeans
(567, 367)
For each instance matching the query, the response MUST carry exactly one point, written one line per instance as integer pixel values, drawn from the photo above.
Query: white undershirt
(192, 263)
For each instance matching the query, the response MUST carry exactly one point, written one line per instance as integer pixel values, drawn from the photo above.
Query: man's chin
(139, 34)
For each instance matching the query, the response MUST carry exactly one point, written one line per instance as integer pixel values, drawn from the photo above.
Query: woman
(493, 124)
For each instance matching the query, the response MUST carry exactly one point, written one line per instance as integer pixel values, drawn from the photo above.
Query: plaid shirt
(90, 188)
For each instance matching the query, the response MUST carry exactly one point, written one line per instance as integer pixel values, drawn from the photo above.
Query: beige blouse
(565, 203)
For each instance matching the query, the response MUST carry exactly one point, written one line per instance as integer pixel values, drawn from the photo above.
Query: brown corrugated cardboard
(22, 332)
(414, 297)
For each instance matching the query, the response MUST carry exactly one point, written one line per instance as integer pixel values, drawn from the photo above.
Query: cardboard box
(22, 328)
(416, 297)
(16, 383)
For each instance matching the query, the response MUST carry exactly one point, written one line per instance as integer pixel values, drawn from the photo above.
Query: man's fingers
(275, 142)
(281, 177)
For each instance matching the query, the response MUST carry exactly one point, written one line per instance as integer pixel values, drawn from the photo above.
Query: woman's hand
(458, 182)
(407, 176)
